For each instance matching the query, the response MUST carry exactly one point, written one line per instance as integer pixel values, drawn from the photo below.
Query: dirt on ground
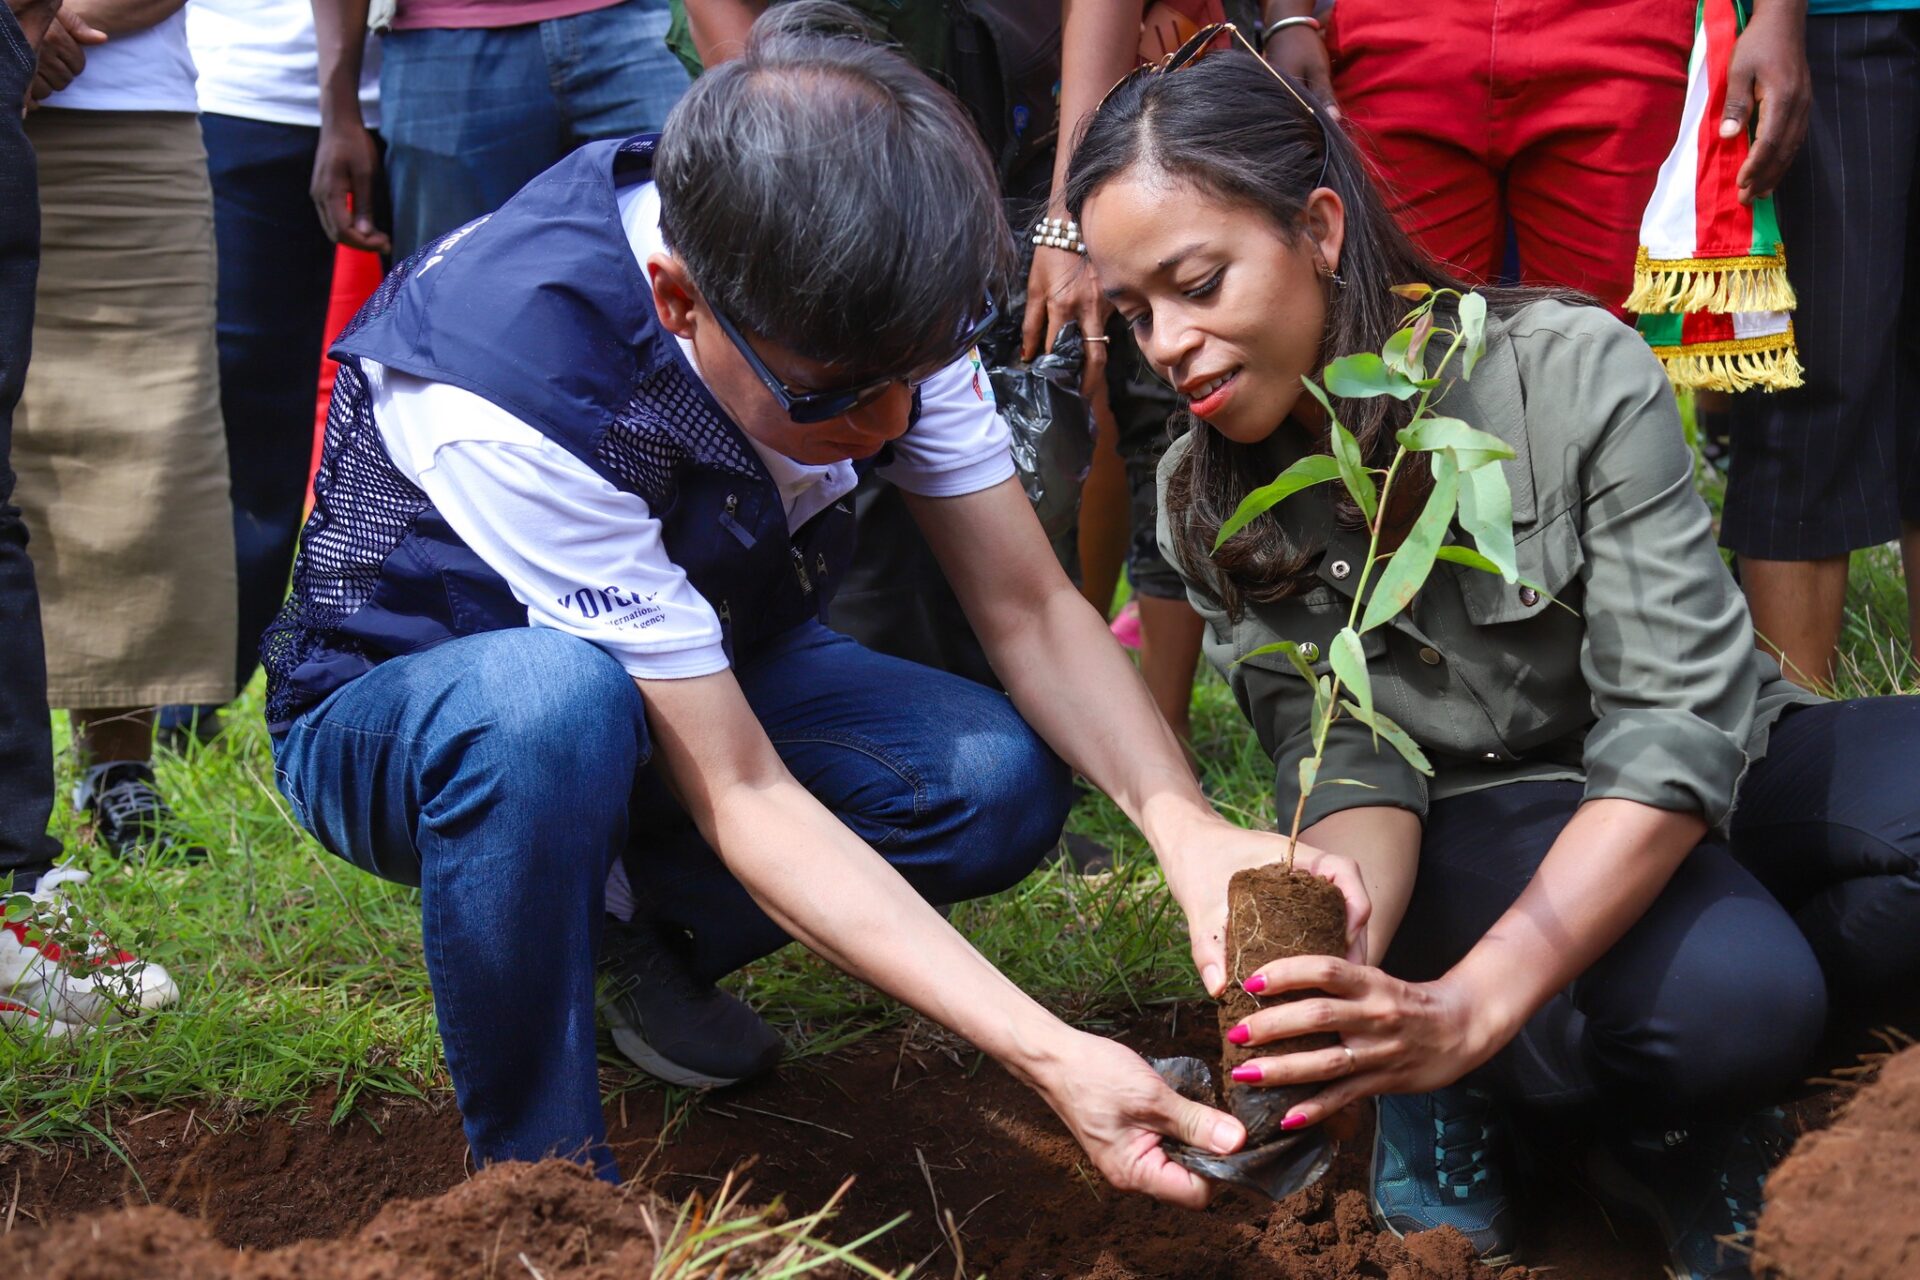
(924, 1125)
(1845, 1205)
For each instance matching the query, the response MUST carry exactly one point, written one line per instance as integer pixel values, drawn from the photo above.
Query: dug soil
(923, 1125)
(1846, 1204)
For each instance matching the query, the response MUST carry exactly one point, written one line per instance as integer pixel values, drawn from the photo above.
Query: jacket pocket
(1548, 556)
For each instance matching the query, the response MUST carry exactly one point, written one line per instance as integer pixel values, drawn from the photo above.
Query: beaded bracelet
(1059, 233)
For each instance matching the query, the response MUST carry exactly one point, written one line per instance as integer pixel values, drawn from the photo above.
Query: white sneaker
(59, 974)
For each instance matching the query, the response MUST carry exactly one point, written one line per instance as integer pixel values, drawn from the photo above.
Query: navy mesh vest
(542, 309)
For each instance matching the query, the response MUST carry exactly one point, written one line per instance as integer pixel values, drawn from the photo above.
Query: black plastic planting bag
(1273, 1162)
(1052, 429)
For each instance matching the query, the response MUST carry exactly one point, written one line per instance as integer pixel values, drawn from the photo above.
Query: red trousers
(1554, 114)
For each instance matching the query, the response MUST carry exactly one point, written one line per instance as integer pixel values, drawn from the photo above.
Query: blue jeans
(471, 114)
(26, 739)
(504, 772)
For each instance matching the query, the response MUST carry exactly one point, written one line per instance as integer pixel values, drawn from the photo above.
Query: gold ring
(1353, 1063)
(1100, 338)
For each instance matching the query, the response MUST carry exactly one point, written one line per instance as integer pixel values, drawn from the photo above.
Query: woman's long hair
(1225, 125)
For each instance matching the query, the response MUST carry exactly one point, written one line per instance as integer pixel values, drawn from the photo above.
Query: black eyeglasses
(807, 407)
(1199, 45)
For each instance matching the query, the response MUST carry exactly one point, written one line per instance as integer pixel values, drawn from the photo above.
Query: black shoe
(129, 816)
(671, 1025)
(1702, 1188)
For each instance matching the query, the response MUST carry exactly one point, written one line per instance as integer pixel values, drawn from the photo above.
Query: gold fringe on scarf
(1769, 363)
(1717, 285)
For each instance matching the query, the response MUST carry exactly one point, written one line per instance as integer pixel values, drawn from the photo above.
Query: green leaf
(1313, 389)
(1394, 353)
(1473, 329)
(1349, 661)
(1467, 556)
(1359, 377)
(1476, 447)
(1417, 351)
(1400, 739)
(1347, 782)
(1323, 709)
(1309, 770)
(1486, 512)
(1411, 292)
(1292, 651)
(1407, 569)
(1315, 468)
(1353, 471)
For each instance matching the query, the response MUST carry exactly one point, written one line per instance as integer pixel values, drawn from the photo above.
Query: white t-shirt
(586, 557)
(149, 70)
(258, 60)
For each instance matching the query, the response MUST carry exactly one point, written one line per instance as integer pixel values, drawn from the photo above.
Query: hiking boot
(1702, 1188)
(59, 974)
(1435, 1165)
(129, 816)
(668, 1023)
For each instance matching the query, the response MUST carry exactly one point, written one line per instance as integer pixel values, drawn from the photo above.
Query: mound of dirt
(1845, 1205)
(551, 1219)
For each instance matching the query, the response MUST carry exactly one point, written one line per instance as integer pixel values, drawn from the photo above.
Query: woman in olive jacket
(1643, 859)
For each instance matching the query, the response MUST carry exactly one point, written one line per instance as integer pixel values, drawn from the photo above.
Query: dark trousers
(276, 267)
(1714, 999)
(26, 740)
(1834, 465)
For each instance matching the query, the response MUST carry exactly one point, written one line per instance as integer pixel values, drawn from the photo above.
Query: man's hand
(34, 16)
(1769, 75)
(1221, 849)
(345, 167)
(1062, 287)
(1301, 53)
(63, 55)
(1118, 1109)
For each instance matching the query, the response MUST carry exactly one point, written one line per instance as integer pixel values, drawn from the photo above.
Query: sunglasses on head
(1217, 37)
(806, 407)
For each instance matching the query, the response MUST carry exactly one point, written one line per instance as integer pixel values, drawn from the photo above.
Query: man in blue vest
(557, 611)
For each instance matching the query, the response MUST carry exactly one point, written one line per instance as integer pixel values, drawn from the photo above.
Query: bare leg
(125, 733)
(1798, 608)
(1106, 511)
(1169, 651)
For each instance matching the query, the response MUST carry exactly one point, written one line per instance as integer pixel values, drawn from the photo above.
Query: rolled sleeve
(1668, 650)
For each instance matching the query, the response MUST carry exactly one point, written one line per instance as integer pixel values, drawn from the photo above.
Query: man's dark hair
(825, 194)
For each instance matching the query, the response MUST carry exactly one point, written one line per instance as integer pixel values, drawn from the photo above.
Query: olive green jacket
(1646, 686)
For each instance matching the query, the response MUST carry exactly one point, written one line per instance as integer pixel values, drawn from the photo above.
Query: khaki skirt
(118, 443)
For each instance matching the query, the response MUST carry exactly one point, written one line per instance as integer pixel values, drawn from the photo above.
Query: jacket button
(1340, 569)
(1430, 655)
(1529, 597)
(1310, 651)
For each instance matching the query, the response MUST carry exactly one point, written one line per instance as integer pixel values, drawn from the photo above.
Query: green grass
(302, 974)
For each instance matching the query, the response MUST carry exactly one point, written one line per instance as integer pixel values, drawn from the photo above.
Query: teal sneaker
(1702, 1188)
(1435, 1165)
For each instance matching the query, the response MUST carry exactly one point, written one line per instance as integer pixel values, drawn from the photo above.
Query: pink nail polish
(1247, 1071)
(1240, 1034)
(1294, 1120)
(1255, 985)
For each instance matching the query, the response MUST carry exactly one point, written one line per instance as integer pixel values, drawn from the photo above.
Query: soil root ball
(1273, 913)
(555, 1215)
(1845, 1205)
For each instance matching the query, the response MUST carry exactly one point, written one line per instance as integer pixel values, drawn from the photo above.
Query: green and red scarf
(1710, 282)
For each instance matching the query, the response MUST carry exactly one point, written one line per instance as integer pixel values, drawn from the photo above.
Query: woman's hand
(1208, 860)
(1118, 1109)
(1395, 1036)
(63, 55)
(1062, 287)
(1301, 52)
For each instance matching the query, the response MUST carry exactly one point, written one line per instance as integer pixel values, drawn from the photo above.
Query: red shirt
(415, 15)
